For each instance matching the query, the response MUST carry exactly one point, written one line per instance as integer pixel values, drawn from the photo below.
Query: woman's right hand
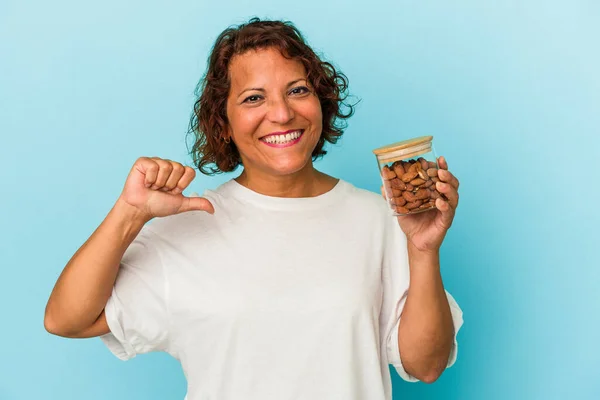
(154, 187)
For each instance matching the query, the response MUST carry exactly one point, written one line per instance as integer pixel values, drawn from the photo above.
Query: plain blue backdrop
(510, 90)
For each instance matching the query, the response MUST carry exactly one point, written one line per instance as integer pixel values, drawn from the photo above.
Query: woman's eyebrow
(262, 90)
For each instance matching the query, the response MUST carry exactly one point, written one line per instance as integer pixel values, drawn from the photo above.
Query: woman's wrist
(128, 218)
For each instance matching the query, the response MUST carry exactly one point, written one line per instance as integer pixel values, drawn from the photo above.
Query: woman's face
(274, 116)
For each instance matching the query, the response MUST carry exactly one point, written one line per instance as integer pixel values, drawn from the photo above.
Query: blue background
(510, 91)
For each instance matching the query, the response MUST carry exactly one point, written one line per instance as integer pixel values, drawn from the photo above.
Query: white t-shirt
(270, 298)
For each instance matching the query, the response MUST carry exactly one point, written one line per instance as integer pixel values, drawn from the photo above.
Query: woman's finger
(150, 172)
(188, 176)
(448, 177)
(164, 170)
(442, 162)
(447, 212)
(176, 174)
(449, 191)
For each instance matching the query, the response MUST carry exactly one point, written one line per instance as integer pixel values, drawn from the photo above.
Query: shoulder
(369, 209)
(179, 227)
(366, 199)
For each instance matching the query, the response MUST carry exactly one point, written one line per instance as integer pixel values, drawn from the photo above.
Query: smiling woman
(261, 76)
(282, 283)
(261, 115)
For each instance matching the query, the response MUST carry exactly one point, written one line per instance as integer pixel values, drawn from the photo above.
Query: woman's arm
(153, 189)
(75, 307)
(426, 331)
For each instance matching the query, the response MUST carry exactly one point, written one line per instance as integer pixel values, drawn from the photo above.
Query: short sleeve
(136, 311)
(396, 279)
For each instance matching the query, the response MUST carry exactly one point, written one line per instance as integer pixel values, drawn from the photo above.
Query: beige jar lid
(405, 148)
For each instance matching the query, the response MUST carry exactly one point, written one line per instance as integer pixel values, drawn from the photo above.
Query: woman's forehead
(263, 66)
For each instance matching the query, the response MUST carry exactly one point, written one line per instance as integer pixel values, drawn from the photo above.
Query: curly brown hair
(209, 119)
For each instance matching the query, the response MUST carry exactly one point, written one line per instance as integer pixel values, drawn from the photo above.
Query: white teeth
(282, 139)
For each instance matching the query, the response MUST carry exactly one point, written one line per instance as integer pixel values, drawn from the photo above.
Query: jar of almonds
(409, 171)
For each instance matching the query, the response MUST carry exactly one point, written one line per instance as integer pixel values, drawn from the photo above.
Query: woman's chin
(289, 166)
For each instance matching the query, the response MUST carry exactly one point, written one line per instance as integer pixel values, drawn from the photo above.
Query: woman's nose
(280, 111)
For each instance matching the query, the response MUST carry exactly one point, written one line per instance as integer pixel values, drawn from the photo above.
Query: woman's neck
(307, 182)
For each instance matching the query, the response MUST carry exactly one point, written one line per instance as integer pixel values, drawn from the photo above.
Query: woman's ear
(227, 135)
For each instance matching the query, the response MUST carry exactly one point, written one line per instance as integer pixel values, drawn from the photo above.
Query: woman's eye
(299, 90)
(252, 99)
(255, 98)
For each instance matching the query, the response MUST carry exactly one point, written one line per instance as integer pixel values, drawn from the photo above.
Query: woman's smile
(283, 139)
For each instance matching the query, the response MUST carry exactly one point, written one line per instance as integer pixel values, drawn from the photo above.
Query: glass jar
(409, 171)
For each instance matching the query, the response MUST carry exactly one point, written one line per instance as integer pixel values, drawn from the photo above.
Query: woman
(283, 283)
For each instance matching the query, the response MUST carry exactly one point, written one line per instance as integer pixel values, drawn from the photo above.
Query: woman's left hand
(426, 230)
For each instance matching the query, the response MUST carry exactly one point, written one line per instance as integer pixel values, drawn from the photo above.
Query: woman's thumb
(195, 203)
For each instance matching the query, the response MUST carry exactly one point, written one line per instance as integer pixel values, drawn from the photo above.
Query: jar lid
(402, 145)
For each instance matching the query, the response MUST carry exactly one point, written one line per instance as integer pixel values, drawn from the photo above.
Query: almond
(399, 201)
(417, 182)
(402, 210)
(387, 173)
(423, 194)
(432, 172)
(414, 204)
(409, 196)
(398, 168)
(397, 184)
(410, 175)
